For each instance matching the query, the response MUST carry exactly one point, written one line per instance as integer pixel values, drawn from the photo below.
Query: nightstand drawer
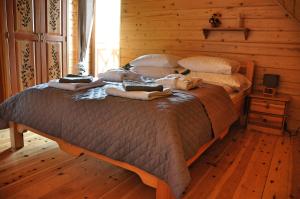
(267, 106)
(266, 120)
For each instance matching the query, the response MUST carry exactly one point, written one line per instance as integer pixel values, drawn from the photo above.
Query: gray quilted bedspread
(157, 136)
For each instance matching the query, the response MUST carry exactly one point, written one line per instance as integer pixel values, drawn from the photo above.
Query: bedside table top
(277, 97)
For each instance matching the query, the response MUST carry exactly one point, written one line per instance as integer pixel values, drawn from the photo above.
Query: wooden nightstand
(267, 114)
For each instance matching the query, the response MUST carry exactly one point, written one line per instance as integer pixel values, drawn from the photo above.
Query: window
(107, 34)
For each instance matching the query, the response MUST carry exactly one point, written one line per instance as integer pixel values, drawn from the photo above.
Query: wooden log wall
(174, 26)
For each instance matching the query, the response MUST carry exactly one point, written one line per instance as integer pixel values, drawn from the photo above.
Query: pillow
(156, 60)
(154, 72)
(236, 81)
(118, 75)
(208, 64)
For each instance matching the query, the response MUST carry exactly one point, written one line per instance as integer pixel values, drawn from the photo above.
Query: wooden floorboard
(243, 165)
(295, 189)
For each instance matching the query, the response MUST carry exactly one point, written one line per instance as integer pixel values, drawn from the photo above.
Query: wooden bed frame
(163, 190)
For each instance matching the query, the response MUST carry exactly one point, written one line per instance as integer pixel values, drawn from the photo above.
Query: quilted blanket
(157, 136)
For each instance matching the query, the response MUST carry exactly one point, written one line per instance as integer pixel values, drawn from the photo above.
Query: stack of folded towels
(76, 82)
(179, 82)
(139, 90)
(156, 89)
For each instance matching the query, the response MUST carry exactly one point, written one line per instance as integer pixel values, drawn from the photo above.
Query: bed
(163, 189)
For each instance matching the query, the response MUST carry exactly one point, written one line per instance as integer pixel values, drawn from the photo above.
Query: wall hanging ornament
(215, 20)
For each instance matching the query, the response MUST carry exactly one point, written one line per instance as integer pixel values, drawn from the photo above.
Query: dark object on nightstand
(268, 114)
(270, 83)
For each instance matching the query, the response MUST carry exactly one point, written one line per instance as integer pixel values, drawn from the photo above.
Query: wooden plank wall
(174, 26)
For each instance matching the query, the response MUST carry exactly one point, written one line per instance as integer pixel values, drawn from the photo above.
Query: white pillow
(118, 75)
(156, 60)
(154, 72)
(236, 81)
(209, 64)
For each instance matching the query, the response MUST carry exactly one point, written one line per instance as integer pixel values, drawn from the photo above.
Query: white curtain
(107, 40)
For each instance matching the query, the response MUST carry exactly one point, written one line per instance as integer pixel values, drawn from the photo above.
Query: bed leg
(16, 137)
(163, 191)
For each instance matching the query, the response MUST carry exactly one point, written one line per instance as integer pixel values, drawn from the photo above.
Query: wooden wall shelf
(206, 31)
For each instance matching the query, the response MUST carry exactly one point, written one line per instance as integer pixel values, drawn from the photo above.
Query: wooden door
(23, 38)
(53, 39)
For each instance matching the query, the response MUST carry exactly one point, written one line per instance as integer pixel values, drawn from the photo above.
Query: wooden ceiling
(292, 7)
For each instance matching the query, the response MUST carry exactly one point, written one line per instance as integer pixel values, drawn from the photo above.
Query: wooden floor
(243, 165)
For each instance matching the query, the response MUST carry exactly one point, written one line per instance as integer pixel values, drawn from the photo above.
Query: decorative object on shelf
(214, 20)
(244, 30)
(270, 83)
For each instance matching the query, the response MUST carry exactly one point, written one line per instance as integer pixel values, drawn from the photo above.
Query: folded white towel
(179, 82)
(140, 95)
(75, 86)
(118, 75)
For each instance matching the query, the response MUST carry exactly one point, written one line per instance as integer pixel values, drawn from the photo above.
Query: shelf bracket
(246, 33)
(205, 33)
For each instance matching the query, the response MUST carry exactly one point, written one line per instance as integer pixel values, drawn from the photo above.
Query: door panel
(24, 33)
(54, 39)
(24, 53)
(24, 16)
(54, 60)
(54, 17)
(25, 56)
